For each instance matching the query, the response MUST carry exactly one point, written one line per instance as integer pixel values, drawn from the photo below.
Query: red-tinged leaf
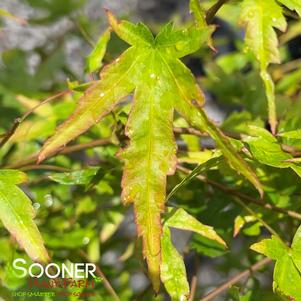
(161, 82)
(148, 159)
(99, 100)
(188, 91)
(133, 34)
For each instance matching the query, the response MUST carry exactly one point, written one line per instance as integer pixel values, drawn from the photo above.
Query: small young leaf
(200, 19)
(287, 277)
(272, 248)
(296, 134)
(198, 12)
(260, 18)
(79, 177)
(94, 59)
(266, 149)
(200, 169)
(173, 272)
(133, 34)
(180, 219)
(240, 221)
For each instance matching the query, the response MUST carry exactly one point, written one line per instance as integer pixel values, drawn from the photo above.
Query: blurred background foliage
(77, 195)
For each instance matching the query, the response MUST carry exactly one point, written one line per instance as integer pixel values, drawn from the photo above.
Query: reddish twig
(235, 279)
(242, 196)
(100, 273)
(67, 150)
(19, 120)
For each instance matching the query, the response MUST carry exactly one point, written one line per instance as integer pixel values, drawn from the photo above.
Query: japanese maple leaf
(161, 83)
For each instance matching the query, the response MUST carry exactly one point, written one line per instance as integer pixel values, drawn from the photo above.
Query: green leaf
(94, 59)
(161, 83)
(200, 169)
(292, 5)
(11, 176)
(179, 43)
(98, 100)
(180, 219)
(207, 247)
(17, 216)
(260, 18)
(296, 247)
(287, 279)
(133, 34)
(287, 272)
(296, 134)
(272, 248)
(173, 272)
(266, 149)
(78, 177)
(200, 19)
(240, 221)
(198, 12)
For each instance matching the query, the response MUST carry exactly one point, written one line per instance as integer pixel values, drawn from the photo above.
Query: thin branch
(67, 150)
(10, 132)
(48, 99)
(235, 279)
(192, 131)
(212, 11)
(242, 196)
(261, 220)
(19, 120)
(84, 34)
(44, 167)
(291, 149)
(193, 286)
(291, 66)
(100, 273)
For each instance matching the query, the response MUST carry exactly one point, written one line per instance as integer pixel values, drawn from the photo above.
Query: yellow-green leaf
(98, 100)
(17, 216)
(296, 134)
(198, 12)
(260, 19)
(292, 5)
(173, 272)
(94, 59)
(11, 176)
(148, 159)
(287, 269)
(180, 219)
